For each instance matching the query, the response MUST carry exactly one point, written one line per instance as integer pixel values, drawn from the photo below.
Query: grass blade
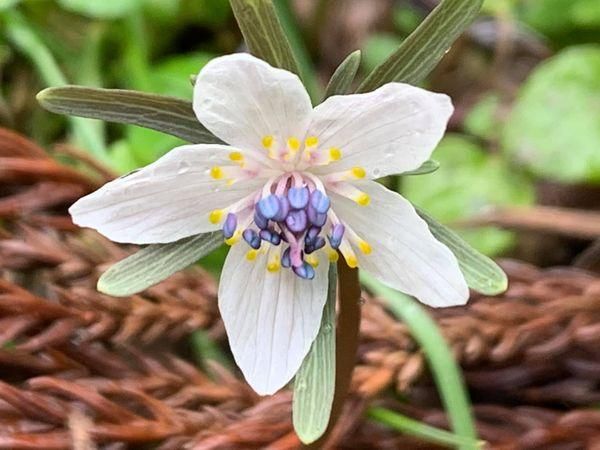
(341, 80)
(27, 41)
(314, 385)
(263, 33)
(481, 273)
(155, 263)
(421, 430)
(166, 114)
(423, 49)
(445, 371)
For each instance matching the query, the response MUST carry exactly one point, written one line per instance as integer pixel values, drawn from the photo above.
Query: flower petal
(391, 130)
(168, 200)
(404, 254)
(242, 99)
(271, 318)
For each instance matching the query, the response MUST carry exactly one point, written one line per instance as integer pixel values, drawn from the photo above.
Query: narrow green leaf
(167, 114)
(205, 350)
(427, 167)
(341, 80)
(263, 33)
(23, 36)
(314, 385)
(481, 273)
(421, 430)
(423, 49)
(155, 263)
(446, 372)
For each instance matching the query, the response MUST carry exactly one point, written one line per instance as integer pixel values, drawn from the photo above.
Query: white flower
(291, 188)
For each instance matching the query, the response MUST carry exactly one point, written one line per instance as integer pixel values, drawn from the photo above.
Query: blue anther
(311, 234)
(285, 258)
(265, 235)
(317, 219)
(275, 238)
(230, 225)
(298, 197)
(260, 221)
(252, 238)
(296, 221)
(315, 245)
(305, 271)
(337, 233)
(268, 206)
(319, 201)
(284, 209)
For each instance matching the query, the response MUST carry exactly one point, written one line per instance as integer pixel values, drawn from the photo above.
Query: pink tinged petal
(168, 200)
(242, 99)
(271, 318)
(404, 254)
(391, 130)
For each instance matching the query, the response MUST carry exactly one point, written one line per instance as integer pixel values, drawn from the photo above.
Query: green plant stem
(418, 429)
(445, 371)
(26, 40)
(346, 345)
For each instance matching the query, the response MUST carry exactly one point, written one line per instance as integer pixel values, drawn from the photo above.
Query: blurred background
(525, 80)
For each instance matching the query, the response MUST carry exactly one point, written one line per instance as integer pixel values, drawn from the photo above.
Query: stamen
(297, 221)
(293, 144)
(332, 255)
(234, 239)
(230, 225)
(315, 218)
(364, 246)
(237, 157)
(285, 259)
(298, 197)
(267, 141)
(362, 199)
(335, 154)
(313, 260)
(311, 141)
(337, 233)
(319, 201)
(251, 255)
(305, 271)
(216, 172)
(349, 254)
(252, 238)
(274, 263)
(215, 216)
(284, 209)
(268, 206)
(358, 172)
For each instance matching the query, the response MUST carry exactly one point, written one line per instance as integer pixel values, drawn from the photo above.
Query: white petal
(271, 318)
(168, 200)
(405, 255)
(391, 130)
(242, 99)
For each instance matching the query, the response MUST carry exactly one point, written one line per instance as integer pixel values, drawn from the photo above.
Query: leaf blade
(314, 385)
(154, 263)
(166, 114)
(344, 75)
(481, 273)
(425, 47)
(263, 33)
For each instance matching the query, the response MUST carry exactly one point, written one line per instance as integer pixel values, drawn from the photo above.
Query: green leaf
(425, 46)
(444, 368)
(421, 430)
(314, 385)
(104, 9)
(155, 263)
(263, 33)
(554, 128)
(377, 48)
(481, 273)
(429, 166)
(469, 181)
(166, 114)
(341, 80)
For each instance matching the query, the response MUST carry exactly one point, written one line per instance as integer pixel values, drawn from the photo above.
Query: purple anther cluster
(296, 218)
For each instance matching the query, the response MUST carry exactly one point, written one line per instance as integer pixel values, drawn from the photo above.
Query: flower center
(289, 216)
